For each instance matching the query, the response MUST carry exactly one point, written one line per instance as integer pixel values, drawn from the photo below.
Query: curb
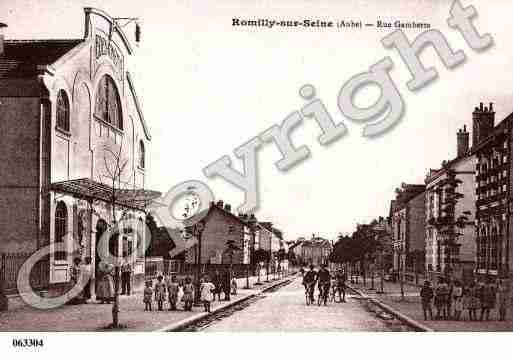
(199, 316)
(403, 317)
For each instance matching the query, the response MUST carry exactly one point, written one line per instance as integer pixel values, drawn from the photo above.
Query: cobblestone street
(285, 309)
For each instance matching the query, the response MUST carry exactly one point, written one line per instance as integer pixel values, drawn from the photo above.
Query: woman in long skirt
(105, 291)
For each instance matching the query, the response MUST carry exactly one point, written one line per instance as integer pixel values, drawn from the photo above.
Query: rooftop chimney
(2, 39)
(462, 140)
(483, 119)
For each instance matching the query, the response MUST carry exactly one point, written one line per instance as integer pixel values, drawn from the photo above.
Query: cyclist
(309, 280)
(324, 277)
(341, 285)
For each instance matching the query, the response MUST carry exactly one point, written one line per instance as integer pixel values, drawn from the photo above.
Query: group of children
(173, 291)
(451, 299)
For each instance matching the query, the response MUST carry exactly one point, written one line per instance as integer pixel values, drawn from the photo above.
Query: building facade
(492, 149)
(407, 225)
(450, 195)
(69, 115)
(221, 226)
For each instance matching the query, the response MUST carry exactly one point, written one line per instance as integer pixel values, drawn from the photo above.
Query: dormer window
(107, 104)
(62, 111)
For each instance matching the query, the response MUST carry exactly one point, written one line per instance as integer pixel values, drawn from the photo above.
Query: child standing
(148, 293)
(188, 294)
(234, 286)
(457, 299)
(206, 289)
(160, 292)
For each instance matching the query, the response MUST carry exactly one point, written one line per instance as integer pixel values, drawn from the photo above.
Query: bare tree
(115, 167)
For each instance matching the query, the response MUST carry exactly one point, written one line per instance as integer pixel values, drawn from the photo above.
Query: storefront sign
(104, 47)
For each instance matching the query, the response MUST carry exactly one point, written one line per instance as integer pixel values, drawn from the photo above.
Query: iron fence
(10, 265)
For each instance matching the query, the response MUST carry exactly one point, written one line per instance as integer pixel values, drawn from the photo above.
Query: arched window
(142, 154)
(107, 105)
(61, 227)
(63, 111)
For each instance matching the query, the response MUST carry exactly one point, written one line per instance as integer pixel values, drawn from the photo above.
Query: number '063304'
(27, 343)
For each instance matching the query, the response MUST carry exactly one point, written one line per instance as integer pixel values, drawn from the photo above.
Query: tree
(118, 183)
(448, 224)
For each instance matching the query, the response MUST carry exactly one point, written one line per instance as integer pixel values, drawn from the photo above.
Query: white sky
(207, 88)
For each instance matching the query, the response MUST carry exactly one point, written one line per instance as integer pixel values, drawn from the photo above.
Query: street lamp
(252, 221)
(197, 231)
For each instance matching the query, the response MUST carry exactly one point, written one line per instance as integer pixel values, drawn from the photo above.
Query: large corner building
(68, 109)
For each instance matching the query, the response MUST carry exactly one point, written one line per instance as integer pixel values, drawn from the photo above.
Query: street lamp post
(197, 231)
(252, 221)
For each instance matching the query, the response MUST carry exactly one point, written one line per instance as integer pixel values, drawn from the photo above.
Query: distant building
(314, 251)
(221, 225)
(407, 222)
(440, 254)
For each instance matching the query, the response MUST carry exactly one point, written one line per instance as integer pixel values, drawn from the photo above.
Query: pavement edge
(403, 317)
(199, 316)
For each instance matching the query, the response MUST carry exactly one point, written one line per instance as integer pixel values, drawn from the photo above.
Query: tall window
(61, 227)
(142, 154)
(107, 105)
(62, 111)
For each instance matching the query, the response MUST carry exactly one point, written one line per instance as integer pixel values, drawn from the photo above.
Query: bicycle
(309, 293)
(323, 294)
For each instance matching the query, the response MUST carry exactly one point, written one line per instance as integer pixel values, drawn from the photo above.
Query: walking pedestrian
(502, 299)
(426, 296)
(188, 294)
(148, 295)
(172, 291)
(457, 299)
(206, 289)
(126, 277)
(160, 292)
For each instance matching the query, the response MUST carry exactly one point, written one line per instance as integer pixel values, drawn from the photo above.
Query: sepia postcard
(291, 166)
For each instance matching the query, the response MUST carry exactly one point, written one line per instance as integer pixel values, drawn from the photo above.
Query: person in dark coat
(216, 280)
(226, 285)
(426, 297)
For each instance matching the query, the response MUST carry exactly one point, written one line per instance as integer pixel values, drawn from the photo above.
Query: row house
(221, 226)
(407, 217)
(492, 150)
(449, 227)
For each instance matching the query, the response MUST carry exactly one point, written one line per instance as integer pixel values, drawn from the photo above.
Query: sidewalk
(410, 306)
(95, 317)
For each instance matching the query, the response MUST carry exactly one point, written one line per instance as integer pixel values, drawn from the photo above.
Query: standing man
(126, 276)
(341, 285)
(309, 280)
(323, 277)
(226, 285)
(426, 296)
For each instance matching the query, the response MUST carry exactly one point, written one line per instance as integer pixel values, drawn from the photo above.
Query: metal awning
(91, 190)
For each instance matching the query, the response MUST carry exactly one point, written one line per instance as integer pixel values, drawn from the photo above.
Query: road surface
(285, 310)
